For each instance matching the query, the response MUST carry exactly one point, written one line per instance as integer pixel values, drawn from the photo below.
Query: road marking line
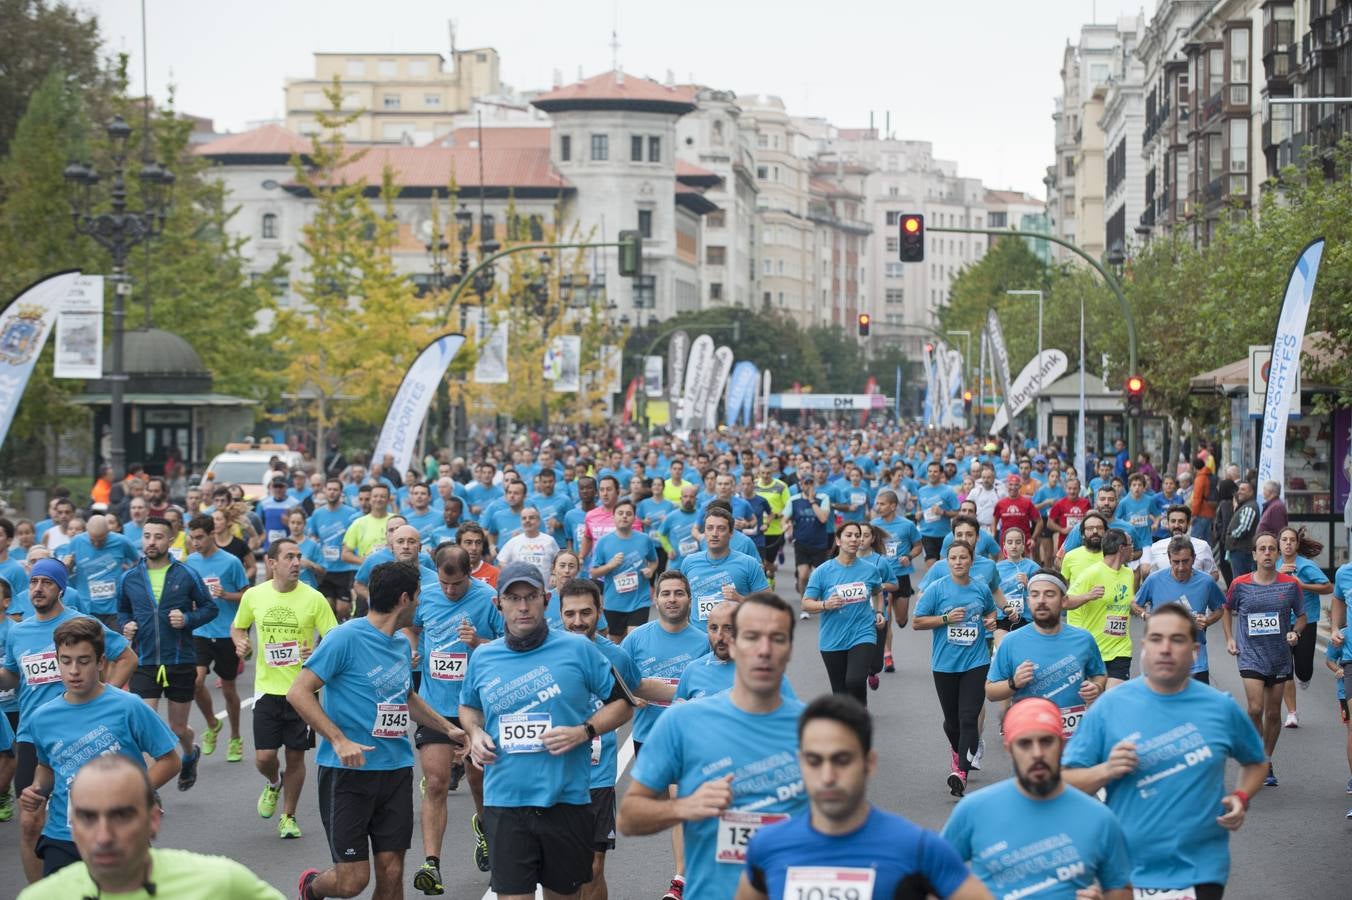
(244, 704)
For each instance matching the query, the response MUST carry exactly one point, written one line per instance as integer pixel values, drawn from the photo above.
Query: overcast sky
(975, 78)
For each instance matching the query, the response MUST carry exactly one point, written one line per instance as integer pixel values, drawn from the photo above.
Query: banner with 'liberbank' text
(403, 422)
(1285, 364)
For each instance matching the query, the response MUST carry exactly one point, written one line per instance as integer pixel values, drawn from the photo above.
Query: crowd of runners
(497, 624)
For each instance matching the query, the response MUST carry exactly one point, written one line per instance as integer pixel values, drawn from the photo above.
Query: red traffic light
(1135, 384)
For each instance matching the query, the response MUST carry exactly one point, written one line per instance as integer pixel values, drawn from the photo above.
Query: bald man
(96, 559)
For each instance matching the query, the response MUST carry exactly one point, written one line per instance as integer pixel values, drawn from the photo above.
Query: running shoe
(888, 664)
(975, 761)
(287, 827)
(428, 879)
(267, 801)
(1349, 785)
(804, 616)
(955, 767)
(234, 751)
(675, 890)
(873, 682)
(303, 885)
(187, 775)
(209, 738)
(957, 783)
(1271, 779)
(7, 803)
(1292, 720)
(1349, 814)
(1304, 685)
(480, 844)
(457, 773)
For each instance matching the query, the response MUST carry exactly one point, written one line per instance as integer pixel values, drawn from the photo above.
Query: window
(1215, 148)
(355, 68)
(715, 219)
(895, 270)
(893, 245)
(417, 68)
(774, 171)
(779, 267)
(765, 299)
(1239, 145)
(715, 290)
(269, 231)
(1239, 56)
(387, 68)
(718, 132)
(431, 99)
(565, 147)
(766, 268)
(645, 223)
(481, 57)
(762, 141)
(894, 295)
(999, 220)
(1098, 73)
(654, 149)
(390, 101)
(893, 216)
(1215, 71)
(1070, 167)
(715, 256)
(636, 148)
(894, 191)
(762, 173)
(600, 147)
(394, 131)
(312, 99)
(351, 101)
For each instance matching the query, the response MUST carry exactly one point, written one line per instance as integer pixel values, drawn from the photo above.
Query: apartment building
(1123, 124)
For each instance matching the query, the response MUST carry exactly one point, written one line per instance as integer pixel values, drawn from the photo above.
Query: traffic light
(967, 402)
(912, 237)
(929, 348)
(864, 321)
(631, 254)
(1135, 396)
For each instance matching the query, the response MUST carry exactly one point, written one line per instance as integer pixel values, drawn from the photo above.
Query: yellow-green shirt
(1077, 560)
(157, 580)
(1108, 618)
(365, 534)
(175, 874)
(282, 619)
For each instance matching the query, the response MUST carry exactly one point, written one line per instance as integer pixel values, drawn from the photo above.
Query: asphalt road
(1294, 844)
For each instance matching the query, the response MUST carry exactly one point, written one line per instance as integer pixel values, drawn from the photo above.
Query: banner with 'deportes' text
(403, 422)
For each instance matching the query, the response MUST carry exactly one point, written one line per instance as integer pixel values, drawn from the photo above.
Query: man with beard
(1168, 730)
(1064, 840)
(1088, 553)
(846, 843)
(713, 673)
(1105, 504)
(1057, 662)
(1179, 520)
(1100, 602)
(677, 525)
(580, 609)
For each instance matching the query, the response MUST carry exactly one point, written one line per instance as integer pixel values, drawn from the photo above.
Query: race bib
(102, 590)
(671, 681)
(40, 668)
(211, 582)
(1070, 719)
(1115, 626)
(859, 498)
(1014, 606)
(275, 534)
(735, 831)
(448, 666)
(523, 732)
(962, 634)
(332, 554)
(891, 547)
(579, 533)
(391, 720)
(688, 546)
(1164, 893)
(931, 515)
(596, 751)
(853, 592)
(828, 883)
(1264, 624)
(1073, 522)
(1138, 520)
(705, 605)
(282, 653)
(626, 582)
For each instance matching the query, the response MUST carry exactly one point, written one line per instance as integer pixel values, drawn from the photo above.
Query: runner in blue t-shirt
(846, 847)
(98, 557)
(625, 561)
(1158, 747)
(1338, 654)
(663, 649)
(719, 573)
(847, 592)
(936, 503)
(1180, 582)
(328, 525)
(1063, 840)
(678, 525)
(224, 578)
(1296, 550)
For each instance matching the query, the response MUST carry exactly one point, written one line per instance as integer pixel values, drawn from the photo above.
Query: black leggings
(875, 664)
(1302, 655)
(961, 695)
(849, 670)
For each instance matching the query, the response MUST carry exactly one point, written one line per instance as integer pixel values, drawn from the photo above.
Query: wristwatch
(591, 730)
(1012, 685)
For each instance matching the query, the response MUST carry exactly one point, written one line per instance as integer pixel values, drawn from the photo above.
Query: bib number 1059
(828, 883)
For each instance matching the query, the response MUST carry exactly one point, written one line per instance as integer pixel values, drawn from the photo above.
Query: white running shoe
(974, 759)
(1291, 721)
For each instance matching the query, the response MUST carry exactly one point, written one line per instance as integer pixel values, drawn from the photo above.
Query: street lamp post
(1037, 414)
(118, 232)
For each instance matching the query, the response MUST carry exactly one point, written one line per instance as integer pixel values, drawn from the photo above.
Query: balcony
(1148, 217)
(1215, 190)
(1212, 107)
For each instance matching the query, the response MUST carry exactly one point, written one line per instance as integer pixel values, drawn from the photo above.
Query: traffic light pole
(1133, 424)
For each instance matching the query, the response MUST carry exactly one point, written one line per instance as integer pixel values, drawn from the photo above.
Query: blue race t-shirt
(1200, 593)
(443, 657)
(626, 587)
(1182, 742)
(676, 525)
(1307, 571)
(67, 735)
(958, 646)
(384, 555)
(604, 756)
(1021, 847)
(522, 694)
(663, 655)
(98, 569)
(856, 584)
(707, 576)
(710, 675)
(30, 653)
(328, 526)
(1137, 514)
(222, 570)
(793, 860)
(986, 546)
(311, 551)
(933, 524)
(1061, 663)
(427, 524)
(367, 675)
(902, 535)
(707, 740)
(1014, 588)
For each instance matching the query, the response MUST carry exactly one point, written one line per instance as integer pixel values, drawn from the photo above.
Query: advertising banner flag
(742, 387)
(403, 422)
(1040, 371)
(928, 361)
(1285, 364)
(678, 350)
(491, 366)
(723, 360)
(564, 361)
(699, 373)
(999, 358)
(25, 323)
(79, 331)
(653, 369)
(764, 402)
